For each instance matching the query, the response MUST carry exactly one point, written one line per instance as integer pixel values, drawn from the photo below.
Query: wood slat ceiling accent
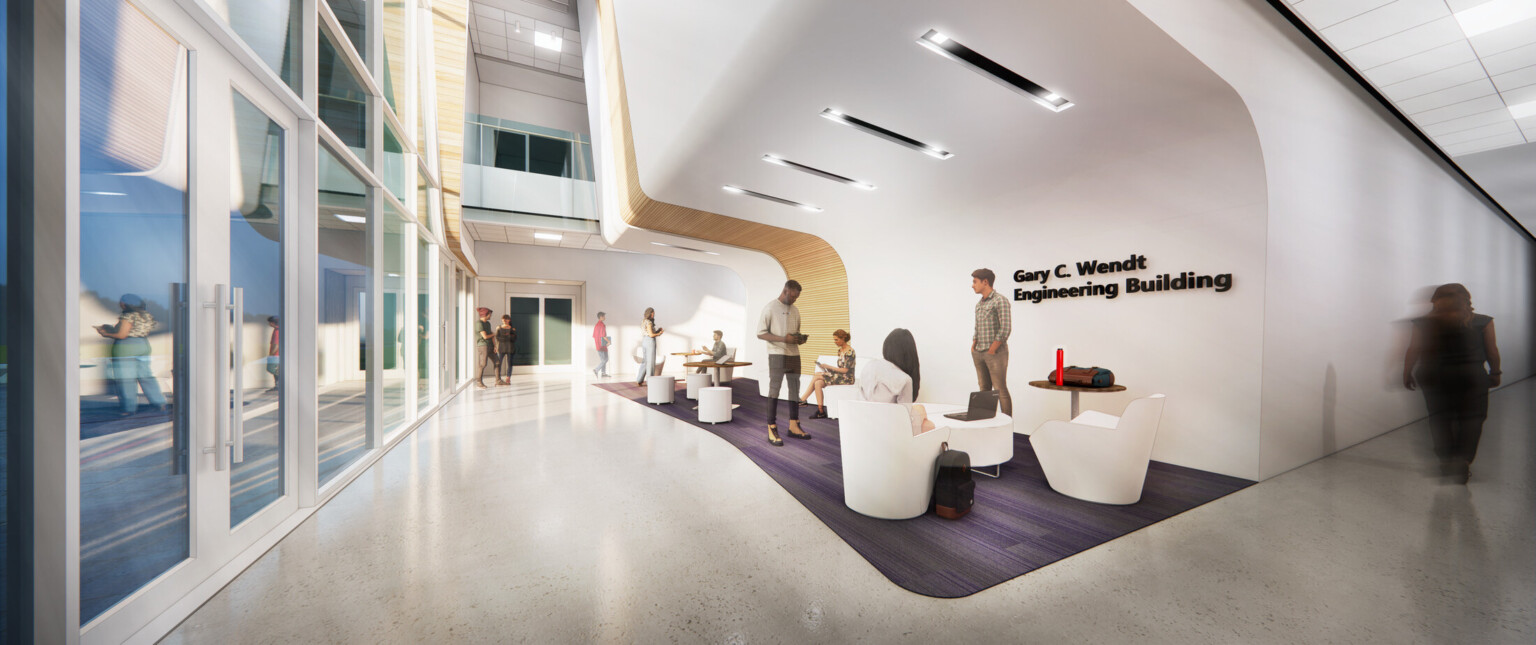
(806, 258)
(450, 27)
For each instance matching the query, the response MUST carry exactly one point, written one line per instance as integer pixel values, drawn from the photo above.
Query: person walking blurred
(602, 341)
(1446, 358)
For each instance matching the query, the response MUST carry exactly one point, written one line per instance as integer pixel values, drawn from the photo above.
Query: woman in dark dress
(506, 346)
(1446, 358)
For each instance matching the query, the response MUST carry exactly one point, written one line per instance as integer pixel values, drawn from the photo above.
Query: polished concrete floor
(553, 512)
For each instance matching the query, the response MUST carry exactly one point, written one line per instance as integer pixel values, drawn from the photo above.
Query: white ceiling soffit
(1464, 71)
(524, 32)
(754, 76)
(485, 232)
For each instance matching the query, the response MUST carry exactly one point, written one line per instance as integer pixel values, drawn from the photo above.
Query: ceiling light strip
(893, 137)
(953, 50)
(685, 248)
(777, 160)
(779, 200)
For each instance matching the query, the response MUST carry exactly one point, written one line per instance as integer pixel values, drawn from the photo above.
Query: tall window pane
(342, 332)
(343, 102)
(133, 303)
(256, 268)
(272, 29)
(425, 256)
(393, 170)
(353, 16)
(511, 150)
(393, 82)
(399, 236)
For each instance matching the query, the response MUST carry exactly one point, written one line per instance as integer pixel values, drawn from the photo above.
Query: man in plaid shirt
(989, 346)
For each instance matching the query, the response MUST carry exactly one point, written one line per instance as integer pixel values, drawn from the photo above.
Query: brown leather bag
(1084, 377)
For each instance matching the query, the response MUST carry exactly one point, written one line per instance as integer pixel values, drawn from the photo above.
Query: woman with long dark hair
(1449, 348)
(896, 378)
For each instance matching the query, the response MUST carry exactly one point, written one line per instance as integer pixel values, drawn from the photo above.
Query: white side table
(988, 442)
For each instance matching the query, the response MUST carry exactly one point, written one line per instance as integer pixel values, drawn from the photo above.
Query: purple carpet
(1018, 524)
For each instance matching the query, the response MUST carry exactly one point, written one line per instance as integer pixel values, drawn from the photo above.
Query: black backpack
(953, 491)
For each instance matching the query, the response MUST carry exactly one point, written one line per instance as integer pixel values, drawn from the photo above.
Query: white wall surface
(531, 96)
(472, 85)
(1361, 220)
(692, 299)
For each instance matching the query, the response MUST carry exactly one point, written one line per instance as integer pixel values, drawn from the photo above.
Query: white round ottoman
(715, 405)
(696, 382)
(834, 394)
(661, 389)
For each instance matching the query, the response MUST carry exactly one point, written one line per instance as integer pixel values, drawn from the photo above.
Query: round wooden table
(1074, 389)
(717, 367)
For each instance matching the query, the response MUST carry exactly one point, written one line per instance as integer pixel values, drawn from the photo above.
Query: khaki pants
(992, 374)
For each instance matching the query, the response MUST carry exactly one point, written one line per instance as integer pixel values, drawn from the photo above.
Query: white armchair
(1100, 457)
(887, 472)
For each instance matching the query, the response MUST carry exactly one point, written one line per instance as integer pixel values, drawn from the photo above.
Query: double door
(187, 273)
(544, 326)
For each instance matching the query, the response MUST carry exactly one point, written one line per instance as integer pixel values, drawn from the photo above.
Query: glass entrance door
(543, 325)
(186, 180)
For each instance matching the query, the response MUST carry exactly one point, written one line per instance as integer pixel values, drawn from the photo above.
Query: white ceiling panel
(1463, 5)
(1475, 89)
(1511, 60)
(1435, 82)
(1506, 127)
(493, 42)
(570, 61)
(578, 72)
(1434, 60)
(1496, 115)
(546, 65)
(1404, 44)
(520, 59)
(1489, 143)
(1327, 13)
(1505, 38)
(520, 48)
(1520, 95)
(491, 27)
(1516, 79)
(1385, 21)
(489, 12)
(1465, 108)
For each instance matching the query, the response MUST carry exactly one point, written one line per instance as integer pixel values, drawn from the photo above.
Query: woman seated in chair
(840, 374)
(895, 378)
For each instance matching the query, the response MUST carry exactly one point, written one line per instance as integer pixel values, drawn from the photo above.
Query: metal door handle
(237, 415)
(220, 376)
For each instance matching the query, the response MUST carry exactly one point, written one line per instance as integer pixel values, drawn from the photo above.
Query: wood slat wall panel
(450, 27)
(806, 258)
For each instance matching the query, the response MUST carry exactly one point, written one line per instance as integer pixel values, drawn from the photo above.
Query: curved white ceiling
(713, 85)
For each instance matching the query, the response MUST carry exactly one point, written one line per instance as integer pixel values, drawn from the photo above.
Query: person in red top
(274, 360)
(602, 341)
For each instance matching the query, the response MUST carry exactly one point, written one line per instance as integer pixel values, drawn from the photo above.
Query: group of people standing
(494, 346)
(894, 377)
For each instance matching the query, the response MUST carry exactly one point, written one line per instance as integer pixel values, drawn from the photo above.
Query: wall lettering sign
(1109, 288)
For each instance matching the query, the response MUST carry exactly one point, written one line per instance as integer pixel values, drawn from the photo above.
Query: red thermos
(1059, 362)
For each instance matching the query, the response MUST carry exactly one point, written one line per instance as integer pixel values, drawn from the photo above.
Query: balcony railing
(514, 167)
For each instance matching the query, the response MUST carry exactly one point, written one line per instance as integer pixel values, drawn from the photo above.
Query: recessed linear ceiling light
(351, 219)
(553, 237)
(893, 137)
(953, 50)
(546, 41)
(752, 193)
(1523, 110)
(685, 248)
(1489, 16)
(775, 159)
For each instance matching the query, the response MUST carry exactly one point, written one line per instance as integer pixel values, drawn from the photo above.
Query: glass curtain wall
(399, 237)
(342, 334)
(134, 258)
(426, 256)
(273, 29)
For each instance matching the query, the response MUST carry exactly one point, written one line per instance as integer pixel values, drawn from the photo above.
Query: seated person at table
(840, 374)
(895, 378)
(716, 354)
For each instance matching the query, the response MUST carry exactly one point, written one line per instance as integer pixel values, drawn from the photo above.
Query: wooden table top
(1051, 385)
(714, 364)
